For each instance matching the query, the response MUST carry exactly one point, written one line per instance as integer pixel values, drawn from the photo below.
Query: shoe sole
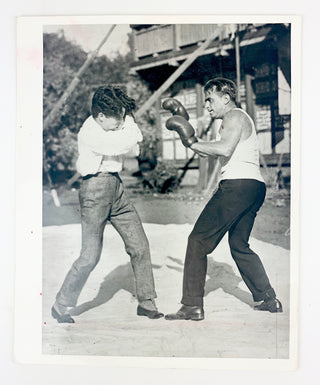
(142, 313)
(199, 318)
(279, 310)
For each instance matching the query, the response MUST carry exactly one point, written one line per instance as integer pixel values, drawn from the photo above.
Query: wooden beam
(174, 77)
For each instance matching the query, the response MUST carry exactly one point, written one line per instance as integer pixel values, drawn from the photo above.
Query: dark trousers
(232, 209)
(102, 198)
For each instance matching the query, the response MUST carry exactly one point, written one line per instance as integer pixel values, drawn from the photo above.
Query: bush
(164, 178)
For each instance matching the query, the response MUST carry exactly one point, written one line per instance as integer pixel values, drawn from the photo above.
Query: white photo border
(28, 267)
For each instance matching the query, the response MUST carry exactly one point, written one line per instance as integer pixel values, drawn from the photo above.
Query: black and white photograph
(166, 151)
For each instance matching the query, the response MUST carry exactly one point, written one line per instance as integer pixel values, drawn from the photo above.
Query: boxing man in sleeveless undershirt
(234, 206)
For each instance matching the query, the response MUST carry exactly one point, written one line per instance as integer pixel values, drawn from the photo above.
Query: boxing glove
(183, 128)
(175, 107)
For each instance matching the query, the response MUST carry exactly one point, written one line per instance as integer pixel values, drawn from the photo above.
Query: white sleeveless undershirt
(244, 162)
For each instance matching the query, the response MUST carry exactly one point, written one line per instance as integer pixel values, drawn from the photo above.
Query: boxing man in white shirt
(108, 134)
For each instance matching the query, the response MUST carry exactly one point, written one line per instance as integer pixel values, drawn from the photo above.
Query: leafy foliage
(164, 178)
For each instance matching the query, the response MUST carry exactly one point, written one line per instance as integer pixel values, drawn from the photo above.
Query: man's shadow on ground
(221, 275)
(121, 278)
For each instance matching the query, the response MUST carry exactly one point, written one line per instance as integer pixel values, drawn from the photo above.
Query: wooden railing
(168, 37)
(154, 40)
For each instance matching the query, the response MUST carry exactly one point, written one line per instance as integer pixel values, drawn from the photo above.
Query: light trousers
(102, 198)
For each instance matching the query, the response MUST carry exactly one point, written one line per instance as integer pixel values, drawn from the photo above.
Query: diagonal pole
(174, 76)
(51, 116)
(91, 56)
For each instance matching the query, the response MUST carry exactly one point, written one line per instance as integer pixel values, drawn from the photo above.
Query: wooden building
(255, 56)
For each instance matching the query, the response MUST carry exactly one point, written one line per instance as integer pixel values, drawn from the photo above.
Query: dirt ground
(106, 320)
(272, 223)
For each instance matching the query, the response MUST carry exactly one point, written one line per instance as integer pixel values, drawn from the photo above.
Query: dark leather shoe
(272, 305)
(152, 314)
(61, 318)
(194, 313)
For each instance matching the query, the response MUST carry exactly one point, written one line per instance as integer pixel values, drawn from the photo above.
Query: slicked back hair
(222, 85)
(111, 100)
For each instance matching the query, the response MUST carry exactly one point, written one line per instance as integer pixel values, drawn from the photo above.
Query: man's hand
(183, 128)
(175, 107)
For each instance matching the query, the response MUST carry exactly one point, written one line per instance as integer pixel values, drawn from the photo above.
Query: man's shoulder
(88, 126)
(237, 115)
(235, 112)
(89, 122)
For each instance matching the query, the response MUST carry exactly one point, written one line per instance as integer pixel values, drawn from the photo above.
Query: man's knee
(139, 251)
(197, 243)
(237, 244)
(194, 238)
(88, 259)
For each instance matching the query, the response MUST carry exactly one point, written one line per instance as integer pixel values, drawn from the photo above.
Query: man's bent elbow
(228, 151)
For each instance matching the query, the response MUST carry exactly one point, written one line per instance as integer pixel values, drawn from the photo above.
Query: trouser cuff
(266, 296)
(192, 301)
(141, 298)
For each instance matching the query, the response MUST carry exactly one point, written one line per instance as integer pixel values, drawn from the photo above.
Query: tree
(61, 61)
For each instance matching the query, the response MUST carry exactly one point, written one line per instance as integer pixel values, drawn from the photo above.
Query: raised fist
(175, 107)
(183, 128)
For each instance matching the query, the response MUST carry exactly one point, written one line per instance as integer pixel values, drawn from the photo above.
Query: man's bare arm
(230, 134)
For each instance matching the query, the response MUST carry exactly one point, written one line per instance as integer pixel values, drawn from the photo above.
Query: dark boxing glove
(175, 107)
(183, 128)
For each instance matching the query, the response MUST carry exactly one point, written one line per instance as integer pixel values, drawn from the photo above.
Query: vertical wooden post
(199, 100)
(175, 37)
(174, 146)
(203, 162)
(273, 129)
(134, 42)
(249, 96)
(237, 49)
(203, 174)
(212, 184)
(251, 112)
(159, 126)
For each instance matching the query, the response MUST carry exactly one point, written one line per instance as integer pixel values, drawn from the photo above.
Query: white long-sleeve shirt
(101, 150)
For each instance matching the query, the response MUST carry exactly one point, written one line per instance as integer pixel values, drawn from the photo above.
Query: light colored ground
(106, 320)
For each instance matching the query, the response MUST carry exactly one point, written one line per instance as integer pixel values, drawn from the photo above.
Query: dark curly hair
(225, 86)
(110, 100)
